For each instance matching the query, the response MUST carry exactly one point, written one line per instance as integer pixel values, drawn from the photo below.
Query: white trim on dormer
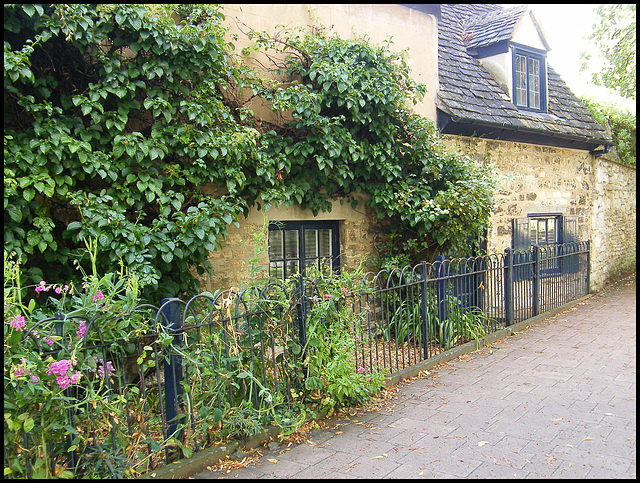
(529, 32)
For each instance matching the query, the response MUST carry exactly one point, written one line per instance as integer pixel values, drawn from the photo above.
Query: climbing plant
(352, 131)
(129, 124)
(622, 125)
(116, 127)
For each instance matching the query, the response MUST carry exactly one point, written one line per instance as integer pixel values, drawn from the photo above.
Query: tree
(614, 38)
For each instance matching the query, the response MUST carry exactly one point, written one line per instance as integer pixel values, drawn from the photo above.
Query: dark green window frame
(527, 232)
(296, 245)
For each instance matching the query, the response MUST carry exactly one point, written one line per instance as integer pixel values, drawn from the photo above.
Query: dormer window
(529, 79)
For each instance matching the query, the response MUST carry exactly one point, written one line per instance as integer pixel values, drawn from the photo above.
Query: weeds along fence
(225, 364)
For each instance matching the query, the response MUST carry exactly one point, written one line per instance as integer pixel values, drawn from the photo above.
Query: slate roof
(492, 27)
(470, 101)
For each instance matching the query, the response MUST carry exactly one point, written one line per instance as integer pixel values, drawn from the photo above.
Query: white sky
(566, 28)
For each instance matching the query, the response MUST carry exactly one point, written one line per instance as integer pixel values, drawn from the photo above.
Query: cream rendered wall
(359, 228)
(527, 34)
(408, 28)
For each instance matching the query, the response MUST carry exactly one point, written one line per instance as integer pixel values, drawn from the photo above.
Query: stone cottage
(494, 96)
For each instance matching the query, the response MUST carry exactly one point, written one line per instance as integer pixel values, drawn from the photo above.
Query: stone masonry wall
(613, 224)
(541, 179)
(533, 179)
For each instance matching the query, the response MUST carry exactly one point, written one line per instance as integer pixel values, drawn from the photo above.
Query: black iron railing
(248, 342)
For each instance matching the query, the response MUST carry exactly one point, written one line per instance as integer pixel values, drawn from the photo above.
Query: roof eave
(449, 124)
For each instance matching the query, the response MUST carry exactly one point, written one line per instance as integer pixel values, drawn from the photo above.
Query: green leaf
(29, 424)
(312, 383)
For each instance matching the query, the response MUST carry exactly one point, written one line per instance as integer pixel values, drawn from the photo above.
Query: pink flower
(98, 296)
(20, 370)
(35, 379)
(314, 299)
(360, 369)
(42, 287)
(58, 290)
(18, 323)
(48, 341)
(82, 329)
(368, 379)
(327, 296)
(60, 368)
(63, 382)
(109, 369)
(76, 377)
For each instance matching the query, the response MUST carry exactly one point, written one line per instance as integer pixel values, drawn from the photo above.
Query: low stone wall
(613, 224)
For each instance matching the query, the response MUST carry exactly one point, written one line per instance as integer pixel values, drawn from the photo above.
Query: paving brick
(556, 400)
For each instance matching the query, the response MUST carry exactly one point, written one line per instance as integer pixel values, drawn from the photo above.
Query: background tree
(614, 38)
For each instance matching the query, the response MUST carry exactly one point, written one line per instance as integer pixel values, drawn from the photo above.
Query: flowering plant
(335, 351)
(48, 329)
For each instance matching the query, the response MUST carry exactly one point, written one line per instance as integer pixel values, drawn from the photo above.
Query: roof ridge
(495, 15)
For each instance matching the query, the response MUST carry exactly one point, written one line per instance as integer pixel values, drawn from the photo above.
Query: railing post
(302, 312)
(588, 266)
(173, 370)
(536, 280)
(425, 321)
(441, 289)
(508, 286)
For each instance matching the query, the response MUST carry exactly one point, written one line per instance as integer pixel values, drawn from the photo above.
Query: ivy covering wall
(129, 124)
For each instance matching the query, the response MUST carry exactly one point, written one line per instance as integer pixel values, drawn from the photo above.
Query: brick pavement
(555, 400)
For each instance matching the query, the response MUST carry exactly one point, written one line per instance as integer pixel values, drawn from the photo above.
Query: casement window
(294, 246)
(529, 79)
(547, 229)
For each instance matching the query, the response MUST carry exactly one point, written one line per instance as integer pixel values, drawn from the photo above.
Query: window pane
(325, 243)
(276, 269)
(521, 80)
(310, 243)
(542, 232)
(275, 244)
(292, 267)
(291, 243)
(534, 83)
(325, 266)
(551, 231)
(533, 227)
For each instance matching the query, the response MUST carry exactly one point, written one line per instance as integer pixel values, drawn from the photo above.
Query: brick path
(556, 400)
